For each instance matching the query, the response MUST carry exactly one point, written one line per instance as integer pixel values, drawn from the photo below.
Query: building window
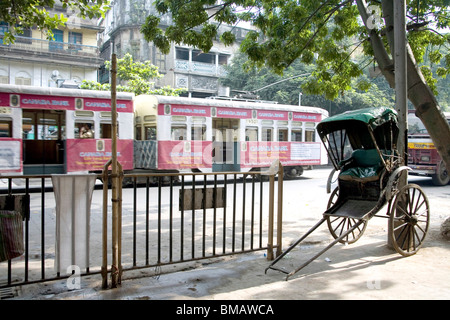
(160, 60)
(118, 49)
(4, 79)
(199, 56)
(223, 59)
(22, 81)
(75, 40)
(3, 29)
(182, 54)
(25, 37)
(57, 43)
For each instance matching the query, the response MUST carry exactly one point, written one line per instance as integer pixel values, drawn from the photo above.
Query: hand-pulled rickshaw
(362, 147)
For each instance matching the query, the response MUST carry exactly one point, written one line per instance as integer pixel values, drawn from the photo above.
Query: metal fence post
(280, 208)
(275, 168)
(271, 201)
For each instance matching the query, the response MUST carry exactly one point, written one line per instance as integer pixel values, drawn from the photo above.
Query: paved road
(364, 270)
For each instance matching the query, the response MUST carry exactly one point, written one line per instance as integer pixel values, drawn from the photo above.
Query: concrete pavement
(366, 269)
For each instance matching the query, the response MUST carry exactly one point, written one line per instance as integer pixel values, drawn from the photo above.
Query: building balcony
(39, 50)
(199, 68)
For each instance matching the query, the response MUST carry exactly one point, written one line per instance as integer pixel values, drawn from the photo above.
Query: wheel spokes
(409, 219)
(340, 225)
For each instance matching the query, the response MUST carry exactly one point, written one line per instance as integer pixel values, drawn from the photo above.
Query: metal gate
(165, 219)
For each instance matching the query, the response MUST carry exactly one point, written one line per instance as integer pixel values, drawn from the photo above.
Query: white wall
(40, 73)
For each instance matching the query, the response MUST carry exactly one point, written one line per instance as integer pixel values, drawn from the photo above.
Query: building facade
(183, 67)
(71, 57)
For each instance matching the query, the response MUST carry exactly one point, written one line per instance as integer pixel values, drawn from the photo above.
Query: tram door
(43, 141)
(226, 152)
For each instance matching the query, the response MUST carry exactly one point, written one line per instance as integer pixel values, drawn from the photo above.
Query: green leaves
(135, 77)
(24, 14)
(324, 33)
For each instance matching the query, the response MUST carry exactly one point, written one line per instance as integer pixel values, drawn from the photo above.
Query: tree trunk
(420, 95)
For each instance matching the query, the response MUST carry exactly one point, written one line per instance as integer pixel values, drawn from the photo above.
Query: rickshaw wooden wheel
(338, 225)
(409, 220)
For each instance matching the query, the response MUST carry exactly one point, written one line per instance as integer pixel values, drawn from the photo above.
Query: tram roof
(231, 104)
(11, 88)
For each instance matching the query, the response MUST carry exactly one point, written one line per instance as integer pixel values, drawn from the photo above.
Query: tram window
(43, 125)
(84, 130)
(105, 130)
(266, 134)
(282, 134)
(150, 133)
(310, 132)
(51, 132)
(198, 132)
(5, 128)
(251, 134)
(296, 135)
(179, 132)
(138, 133)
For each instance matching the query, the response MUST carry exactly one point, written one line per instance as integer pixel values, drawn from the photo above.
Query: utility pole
(400, 75)
(401, 87)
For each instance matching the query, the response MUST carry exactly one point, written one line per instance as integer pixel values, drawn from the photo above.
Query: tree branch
(380, 53)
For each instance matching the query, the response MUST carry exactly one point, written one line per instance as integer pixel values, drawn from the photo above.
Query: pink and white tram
(176, 134)
(53, 130)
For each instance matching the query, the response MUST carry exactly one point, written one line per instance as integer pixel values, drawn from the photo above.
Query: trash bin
(11, 235)
(73, 196)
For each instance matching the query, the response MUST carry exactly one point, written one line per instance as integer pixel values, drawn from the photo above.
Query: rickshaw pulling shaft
(342, 236)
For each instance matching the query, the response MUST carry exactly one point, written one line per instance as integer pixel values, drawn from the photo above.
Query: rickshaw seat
(364, 165)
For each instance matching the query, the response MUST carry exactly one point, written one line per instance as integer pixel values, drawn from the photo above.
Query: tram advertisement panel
(198, 154)
(10, 155)
(184, 154)
(36, 101)
(254, 153)
(91, 154)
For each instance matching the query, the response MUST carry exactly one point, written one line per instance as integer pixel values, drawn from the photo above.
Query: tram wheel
(409, 220)
(339, 225)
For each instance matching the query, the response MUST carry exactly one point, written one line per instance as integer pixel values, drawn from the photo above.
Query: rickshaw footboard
(352, 208)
